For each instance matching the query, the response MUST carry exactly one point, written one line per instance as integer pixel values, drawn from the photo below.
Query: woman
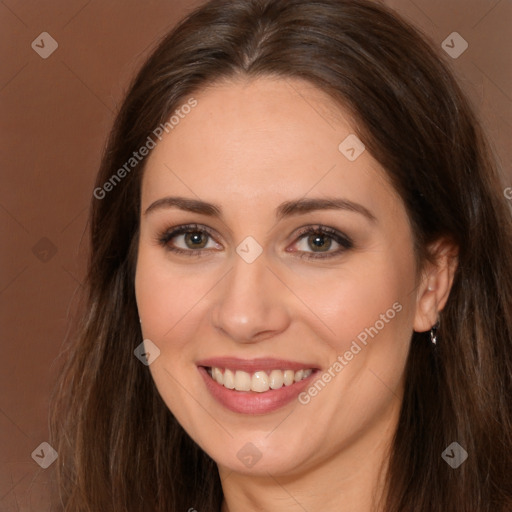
(300, 283)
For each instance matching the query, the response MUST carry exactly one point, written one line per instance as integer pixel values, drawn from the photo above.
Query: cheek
(369, 312)
(166, 296)
(368, 293)
(168, 302)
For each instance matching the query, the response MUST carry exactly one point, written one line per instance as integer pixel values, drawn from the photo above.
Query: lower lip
(251, 402)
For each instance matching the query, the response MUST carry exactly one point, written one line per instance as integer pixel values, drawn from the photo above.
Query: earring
(433, 333)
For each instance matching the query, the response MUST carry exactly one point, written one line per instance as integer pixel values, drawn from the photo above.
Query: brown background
(56, 113)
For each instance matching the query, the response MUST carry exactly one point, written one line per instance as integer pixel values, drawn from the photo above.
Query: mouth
(259, 381)
(255, 386)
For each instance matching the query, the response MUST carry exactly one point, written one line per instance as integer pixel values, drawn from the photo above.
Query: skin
(248, 146)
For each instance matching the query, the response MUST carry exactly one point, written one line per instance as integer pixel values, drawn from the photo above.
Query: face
(276, 276)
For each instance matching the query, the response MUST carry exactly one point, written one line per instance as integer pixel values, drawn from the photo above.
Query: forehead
(261, 140)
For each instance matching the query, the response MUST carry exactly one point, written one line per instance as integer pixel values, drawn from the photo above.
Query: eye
(317, 242)
(190, 239)
(314, 242)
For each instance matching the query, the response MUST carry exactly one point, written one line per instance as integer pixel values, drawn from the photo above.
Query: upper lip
(254, 365)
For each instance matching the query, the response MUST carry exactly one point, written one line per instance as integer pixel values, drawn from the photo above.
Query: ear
(435, 284)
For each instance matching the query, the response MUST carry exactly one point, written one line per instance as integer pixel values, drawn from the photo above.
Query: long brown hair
(120, 448)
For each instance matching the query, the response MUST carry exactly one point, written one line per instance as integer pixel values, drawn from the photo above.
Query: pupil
(320, 242)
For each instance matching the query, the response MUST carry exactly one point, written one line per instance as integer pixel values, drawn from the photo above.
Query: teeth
(217, 375)
(242, 381)
(289, 377)
(276, 379)
(259, 381)
(229, 379)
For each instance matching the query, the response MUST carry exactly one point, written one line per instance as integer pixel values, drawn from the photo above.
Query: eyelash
(164, 237)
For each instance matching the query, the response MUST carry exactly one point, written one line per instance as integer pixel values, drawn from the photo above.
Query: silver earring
(433, 333)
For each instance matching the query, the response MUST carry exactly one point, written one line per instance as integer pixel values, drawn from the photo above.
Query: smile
(259, 381)
(255, 386)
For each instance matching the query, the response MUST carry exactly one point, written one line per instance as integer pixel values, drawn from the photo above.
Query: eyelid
(163, 237)
(340, 238)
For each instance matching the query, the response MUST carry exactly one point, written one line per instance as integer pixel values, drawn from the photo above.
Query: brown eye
(319, 242)
(189, 240)
(196, 240)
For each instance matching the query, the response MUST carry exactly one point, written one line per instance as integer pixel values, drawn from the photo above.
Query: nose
(251, 304)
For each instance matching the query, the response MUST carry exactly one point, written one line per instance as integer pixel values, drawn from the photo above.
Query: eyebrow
(286, 209)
